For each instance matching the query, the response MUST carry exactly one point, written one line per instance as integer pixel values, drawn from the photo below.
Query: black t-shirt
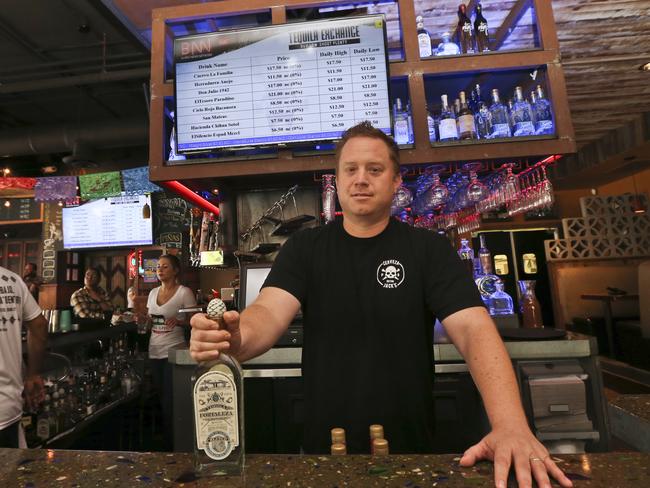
(369, 305)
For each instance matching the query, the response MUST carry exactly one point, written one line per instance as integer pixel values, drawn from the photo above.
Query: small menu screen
(107, 222)
(280, 84)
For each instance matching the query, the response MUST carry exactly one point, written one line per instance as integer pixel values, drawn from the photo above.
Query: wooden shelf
(412, 68)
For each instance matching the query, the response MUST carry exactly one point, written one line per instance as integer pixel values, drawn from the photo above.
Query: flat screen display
(302, 82)
(107, 222)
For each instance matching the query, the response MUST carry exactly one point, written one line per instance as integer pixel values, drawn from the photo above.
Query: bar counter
(46, 468)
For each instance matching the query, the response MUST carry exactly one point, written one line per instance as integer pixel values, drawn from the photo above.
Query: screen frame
(286, 144)
(107, 246)
(243, 280)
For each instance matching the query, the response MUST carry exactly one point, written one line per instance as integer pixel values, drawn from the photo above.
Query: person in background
(167, 324)
(18, 308)
(32, 281)
(370, 287)
(91, 301)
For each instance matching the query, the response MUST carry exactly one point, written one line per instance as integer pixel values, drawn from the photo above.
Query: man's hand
(34, 392)
(210, 337)
(521, 449)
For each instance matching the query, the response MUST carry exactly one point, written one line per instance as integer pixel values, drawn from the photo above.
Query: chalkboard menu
(21, 210)
(171, 220)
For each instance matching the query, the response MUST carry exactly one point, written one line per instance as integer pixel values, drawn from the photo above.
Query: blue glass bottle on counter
(543, 114)
(499, 302)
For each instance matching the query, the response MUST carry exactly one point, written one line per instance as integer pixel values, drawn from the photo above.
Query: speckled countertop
(638, 405)
(60, 468)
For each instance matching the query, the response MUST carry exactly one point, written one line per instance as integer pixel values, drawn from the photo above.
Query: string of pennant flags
(134, 181)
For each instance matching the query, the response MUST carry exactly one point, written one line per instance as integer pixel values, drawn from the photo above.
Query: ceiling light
(645, 67)
(7, 203)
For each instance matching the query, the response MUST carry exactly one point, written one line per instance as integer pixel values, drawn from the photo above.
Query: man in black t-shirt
(370, 288)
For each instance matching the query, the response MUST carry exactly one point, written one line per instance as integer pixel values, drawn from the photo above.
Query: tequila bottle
(466, 123)
(447, 47)
(466, 254)
(424, 39)
(329, 199)
(499, 302)
(431, 124)
(447, 127)
(465, 31)
(522, 115)
(409, 119)
(482, 115)
(401, 124)
(481, 30)
(485, 256)
(543, 114)
(218, 390)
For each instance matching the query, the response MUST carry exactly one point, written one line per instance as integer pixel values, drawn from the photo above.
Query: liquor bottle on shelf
(447, 47)
(499, 302)
(466, 254)
(466, 122)
(424, 39)
(465, 31)
(531, 310)
(522, 115)
(485, 256)
(218, 390)
(511, 115)
(431, 124)
(481, 30)
(543, 114)
(456, 108)
(329, 199)
(482, 115)
(401, 125)
(409, 119)
(447, 127)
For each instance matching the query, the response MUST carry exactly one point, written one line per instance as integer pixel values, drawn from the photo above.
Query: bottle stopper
(216, 309)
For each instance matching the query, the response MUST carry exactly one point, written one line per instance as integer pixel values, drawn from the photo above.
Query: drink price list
(281, 84)
(116, 221)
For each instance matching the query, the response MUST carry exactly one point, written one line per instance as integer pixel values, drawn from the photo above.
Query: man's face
(366, 180)
(91, 278)
(29, 269)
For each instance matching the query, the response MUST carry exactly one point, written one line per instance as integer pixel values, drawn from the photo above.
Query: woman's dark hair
(174, 261)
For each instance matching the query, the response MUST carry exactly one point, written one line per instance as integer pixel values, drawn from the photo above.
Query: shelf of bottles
(81, 392)
(466, 116)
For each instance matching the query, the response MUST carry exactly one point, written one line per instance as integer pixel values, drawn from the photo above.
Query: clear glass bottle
(465, 31)
(447, 47)
(499, 302)
(447, 127)
(401, 124)
(409, 119)
(522, 115)
(481, 30)
(482, 115)
(431, 124)
(499, 117)
(485, 256)
(466, 254)
(329, 199)
(466, 122)
(543, 114)
(531, 310)
(424, 39)
(218, 399)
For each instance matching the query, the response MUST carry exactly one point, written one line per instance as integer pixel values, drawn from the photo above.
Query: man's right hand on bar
(209, 337)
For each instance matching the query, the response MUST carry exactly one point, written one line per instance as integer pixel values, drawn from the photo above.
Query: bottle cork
(338, 449)
(338, 435)
(380, 447)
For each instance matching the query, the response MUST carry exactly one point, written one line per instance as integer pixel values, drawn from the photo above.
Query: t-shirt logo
(390, 273)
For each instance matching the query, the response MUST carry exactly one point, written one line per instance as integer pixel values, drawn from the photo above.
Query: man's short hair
(365, 129)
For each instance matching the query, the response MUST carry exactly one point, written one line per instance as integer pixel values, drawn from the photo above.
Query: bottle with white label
(447, 127)
(499, 116)
(424, 39)
(218, 399)
(522, 115)
(401, 123)
(466, 122)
